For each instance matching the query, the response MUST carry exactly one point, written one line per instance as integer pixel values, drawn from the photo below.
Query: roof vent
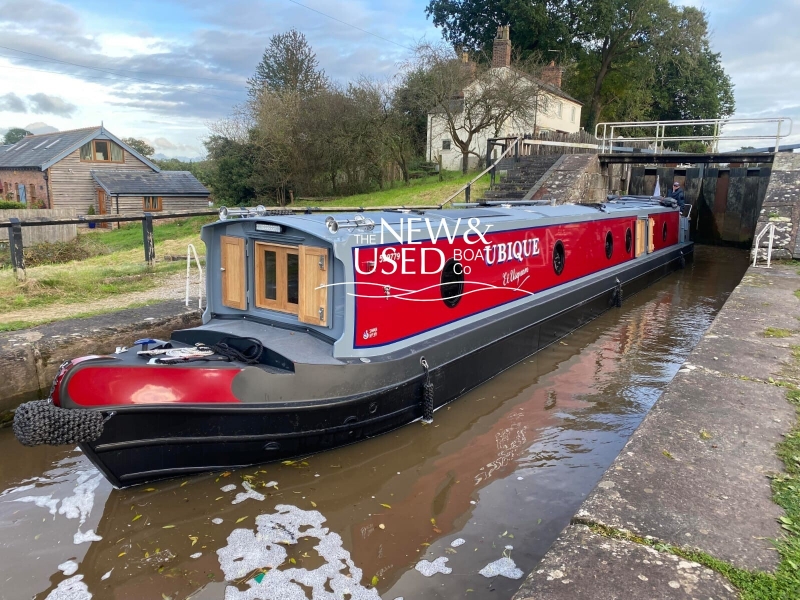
(17, 147)
(50, 145)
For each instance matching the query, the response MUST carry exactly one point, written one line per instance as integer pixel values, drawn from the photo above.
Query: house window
(101, 151)
(559, 109)
(277, 277)
(572, 115)
(152, 203)
(445, 144)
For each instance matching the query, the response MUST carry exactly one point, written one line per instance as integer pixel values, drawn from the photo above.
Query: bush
(12, 205)
(54, 253)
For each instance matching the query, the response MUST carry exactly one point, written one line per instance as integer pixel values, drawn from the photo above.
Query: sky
(162, 70)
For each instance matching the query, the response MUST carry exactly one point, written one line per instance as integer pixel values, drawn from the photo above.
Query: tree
(288, 65)
(140, 146)
(15, 134)
(633, 59)
(469, 99)
(232, 171)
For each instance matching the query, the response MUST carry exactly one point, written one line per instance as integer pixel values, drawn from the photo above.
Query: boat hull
(149, 442)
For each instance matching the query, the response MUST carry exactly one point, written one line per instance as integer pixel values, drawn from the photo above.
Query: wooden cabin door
(101, 207)
(641, 236)
(313, 276)
(232, 272)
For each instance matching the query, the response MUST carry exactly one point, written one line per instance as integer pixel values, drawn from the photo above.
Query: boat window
(609, 245)
(558, 257)
(664, 232)
(277, 277)
(452, 282)
(628, 241)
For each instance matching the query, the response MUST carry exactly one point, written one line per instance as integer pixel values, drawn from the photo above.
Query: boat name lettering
(519, 251)
(513, 275)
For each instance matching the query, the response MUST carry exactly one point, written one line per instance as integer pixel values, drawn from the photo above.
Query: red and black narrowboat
(321, 330)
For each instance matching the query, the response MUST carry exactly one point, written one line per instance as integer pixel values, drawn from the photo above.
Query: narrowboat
(324, 329)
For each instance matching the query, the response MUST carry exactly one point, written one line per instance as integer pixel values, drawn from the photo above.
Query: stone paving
(695, 472)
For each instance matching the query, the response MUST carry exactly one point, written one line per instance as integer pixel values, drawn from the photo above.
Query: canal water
(460, 508)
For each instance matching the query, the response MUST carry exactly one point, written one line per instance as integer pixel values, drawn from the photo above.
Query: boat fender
(39, 422)
(618, 294)
(427, 393)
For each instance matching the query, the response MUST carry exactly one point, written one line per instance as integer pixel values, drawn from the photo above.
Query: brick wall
(35, 185)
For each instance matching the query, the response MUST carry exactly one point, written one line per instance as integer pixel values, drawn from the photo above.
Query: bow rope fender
(427, 393)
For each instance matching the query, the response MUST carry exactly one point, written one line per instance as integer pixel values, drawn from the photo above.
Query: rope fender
(39, 422)
(427, 394)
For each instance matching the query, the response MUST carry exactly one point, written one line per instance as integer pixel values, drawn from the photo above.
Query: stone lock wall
(782, 207)
(577, 178)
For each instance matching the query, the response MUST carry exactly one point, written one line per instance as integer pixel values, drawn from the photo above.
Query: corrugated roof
(37, 150)
(5, 147)
(144, 183)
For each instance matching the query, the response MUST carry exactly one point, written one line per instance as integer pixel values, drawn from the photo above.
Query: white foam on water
(48, 502)
(509, 547)
(429, 569)
(228, 488)
(504, 566)
(69, 567)
(272, 484)
(196, 555)
(71, 589)
(458, 542)
(249, 493)
(80, 504)
(106, 576)
(216, 521)
(248, 551)
(81, 537)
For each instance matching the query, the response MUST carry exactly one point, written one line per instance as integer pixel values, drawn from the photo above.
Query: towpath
(696, 474)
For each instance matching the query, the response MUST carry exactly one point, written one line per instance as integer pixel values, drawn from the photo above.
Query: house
(90, 167)
(554, 109)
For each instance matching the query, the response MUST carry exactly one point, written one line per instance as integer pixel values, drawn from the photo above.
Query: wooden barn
(90, 167)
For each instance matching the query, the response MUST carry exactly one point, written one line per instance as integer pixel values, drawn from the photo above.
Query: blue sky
(165, 69)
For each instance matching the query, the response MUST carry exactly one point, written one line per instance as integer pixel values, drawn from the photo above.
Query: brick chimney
(552, 74)
(470, 68)
(501, 51)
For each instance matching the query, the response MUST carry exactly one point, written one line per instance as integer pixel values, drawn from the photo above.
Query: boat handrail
(192, 253)
(770, 227)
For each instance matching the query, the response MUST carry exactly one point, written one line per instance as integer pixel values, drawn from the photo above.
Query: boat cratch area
(323, 330)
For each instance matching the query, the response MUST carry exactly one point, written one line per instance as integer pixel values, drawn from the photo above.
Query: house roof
(144, 183)
(43, 151)
(5, 146)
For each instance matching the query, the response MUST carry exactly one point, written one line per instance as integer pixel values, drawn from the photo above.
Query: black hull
(142, 444)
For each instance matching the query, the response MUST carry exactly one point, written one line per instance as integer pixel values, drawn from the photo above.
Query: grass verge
(427, 191)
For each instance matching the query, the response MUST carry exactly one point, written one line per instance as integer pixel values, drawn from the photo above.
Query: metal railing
(191, 252)
(770, 227)
(467, 188)
(607, 132)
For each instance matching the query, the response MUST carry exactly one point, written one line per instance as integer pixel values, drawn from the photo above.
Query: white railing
(771, 228)
(190, 253)
(608, 132)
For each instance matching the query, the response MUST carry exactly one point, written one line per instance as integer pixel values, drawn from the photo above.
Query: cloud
(43, 103)
(10, 102)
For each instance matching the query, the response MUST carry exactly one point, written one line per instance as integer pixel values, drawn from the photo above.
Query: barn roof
(144, 183)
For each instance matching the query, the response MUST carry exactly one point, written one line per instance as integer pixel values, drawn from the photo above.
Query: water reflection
(505, 466)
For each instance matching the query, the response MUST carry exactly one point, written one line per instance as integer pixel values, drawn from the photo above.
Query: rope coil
(427, 394)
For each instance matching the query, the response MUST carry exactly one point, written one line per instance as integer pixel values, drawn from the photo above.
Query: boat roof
(313, 220)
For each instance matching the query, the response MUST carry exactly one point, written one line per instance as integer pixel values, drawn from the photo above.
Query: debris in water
(504, 566)
(106, 576)
(509, 547)
(272, 484)
(69, 567)
(250, 493)
(71, 589)
(458, 542)
(196, 555)
(228, 488)
(216, 521)
(429, 569)
(248, 551)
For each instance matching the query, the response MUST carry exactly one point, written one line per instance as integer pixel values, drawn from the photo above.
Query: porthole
(628, 241)
(452, 282)
(609, 245)
(558, 257)
(664, 232)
